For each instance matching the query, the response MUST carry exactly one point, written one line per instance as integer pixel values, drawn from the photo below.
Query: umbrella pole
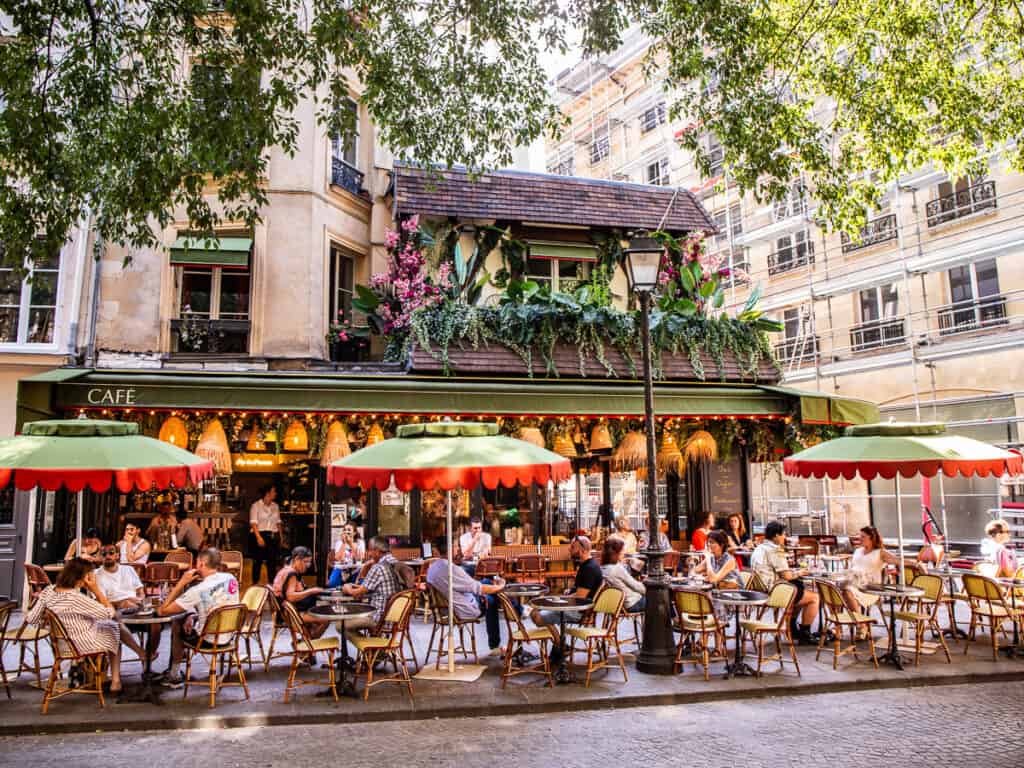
(30, 543)
(451, 590)
(899, 524)
(78, 524)
(942, 504)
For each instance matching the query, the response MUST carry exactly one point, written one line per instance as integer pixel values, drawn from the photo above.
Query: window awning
(569, 251)
(823, 408)
(231, 252)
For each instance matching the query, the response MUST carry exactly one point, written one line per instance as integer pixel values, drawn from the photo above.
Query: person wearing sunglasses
(120, 583)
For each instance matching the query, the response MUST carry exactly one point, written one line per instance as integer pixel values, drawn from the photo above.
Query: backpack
(404, 575)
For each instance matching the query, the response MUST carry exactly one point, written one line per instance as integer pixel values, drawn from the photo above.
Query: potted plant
(346, 343)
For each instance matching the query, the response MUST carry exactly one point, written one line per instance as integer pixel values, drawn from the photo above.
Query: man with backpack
(383, 579)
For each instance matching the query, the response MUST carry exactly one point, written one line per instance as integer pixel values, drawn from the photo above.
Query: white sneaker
(499, 651)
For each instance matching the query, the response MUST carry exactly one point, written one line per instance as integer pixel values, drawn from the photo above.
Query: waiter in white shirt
(265, 533)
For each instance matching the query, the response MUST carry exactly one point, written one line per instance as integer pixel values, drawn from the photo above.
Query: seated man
(588, 580)
(190, 535)
(163, 527)
(288, 586)
(380, 583)
(471, 599)
(198, 591)
(473, 544)
(120, 583)
(134, 548)
(769, 562)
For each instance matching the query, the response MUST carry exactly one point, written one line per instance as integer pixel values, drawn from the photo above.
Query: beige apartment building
(923, 313)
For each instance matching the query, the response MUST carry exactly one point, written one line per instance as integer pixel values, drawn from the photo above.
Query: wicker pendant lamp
(337, 446)
(600, 438)
(213, 446)
(701, 446)
(532, 435)
(670, 458)
(296, 439)
(255, 443)
(375, 435)
(563, 446)
(173, 431)
(631, 453)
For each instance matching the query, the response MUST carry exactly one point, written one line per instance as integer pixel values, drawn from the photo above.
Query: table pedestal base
(146, 692)
(739, 669)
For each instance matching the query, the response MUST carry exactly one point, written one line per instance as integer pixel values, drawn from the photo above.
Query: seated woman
(868, 566)
(617, 574)
(995, 551)
(719, 567)
(736, 532)
(625, 532)
(348, 550)
(89, 621)
(90, 547)
(700, 536)
(288, 587)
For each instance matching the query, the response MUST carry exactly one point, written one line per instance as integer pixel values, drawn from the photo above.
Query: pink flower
(411, 224)
(391, 239)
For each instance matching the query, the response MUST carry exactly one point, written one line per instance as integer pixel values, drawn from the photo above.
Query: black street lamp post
(657, 653)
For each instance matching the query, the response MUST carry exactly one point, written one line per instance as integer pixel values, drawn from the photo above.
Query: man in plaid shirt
(380, 584)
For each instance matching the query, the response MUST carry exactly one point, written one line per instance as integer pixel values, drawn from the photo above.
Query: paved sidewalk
(525, 695)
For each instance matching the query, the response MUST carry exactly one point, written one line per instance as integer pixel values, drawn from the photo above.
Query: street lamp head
(643, 262)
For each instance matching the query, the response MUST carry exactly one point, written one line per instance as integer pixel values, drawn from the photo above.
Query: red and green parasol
(448, 455)
(87, 453)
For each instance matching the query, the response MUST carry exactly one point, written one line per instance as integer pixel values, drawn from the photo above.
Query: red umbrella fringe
(449, 478)
(869, 470)
(101, 480)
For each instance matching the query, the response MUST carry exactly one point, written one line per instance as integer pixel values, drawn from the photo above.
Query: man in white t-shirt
(474, 543)
(120, 583)
(199, 591)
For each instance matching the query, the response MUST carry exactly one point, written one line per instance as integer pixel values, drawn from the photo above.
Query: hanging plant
(701, 446)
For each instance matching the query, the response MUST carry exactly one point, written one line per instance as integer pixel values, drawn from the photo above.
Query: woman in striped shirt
(89, 621)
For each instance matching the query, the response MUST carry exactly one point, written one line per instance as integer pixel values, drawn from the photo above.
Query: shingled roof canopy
(546, 199)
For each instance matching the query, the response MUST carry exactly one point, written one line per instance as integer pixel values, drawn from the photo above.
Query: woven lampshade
(375, 435)
(532, 435)
(213, 446)
(255, 443)
(563, 446)
(173, 431)
(701, 446)
(670, 458)
(600, 438)
(337, 446)
(296, 439)
(631, 453)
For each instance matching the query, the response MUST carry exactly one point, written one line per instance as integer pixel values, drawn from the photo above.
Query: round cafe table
(562, 606)
(145, 620)
(340, 611)
(736, 599)
(685, 582)
(892, 593)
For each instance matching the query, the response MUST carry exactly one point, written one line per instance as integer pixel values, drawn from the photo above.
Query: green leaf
(685, 306)
(688, 281)
(719, 298)
(460, 264)
(368, 300)
(708, 288)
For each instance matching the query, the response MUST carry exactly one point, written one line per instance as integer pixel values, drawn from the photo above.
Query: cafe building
(277, 417)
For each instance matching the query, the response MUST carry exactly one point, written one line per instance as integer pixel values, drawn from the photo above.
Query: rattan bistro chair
(780, 600)
(601, 633)
(922, 613)
(438, 602)
(385, 643)
(255, 602)
(518, 636)
(225, 620)
(987, 601)
(489, 567)
(697, 624)
(179, 557)
(306, 647)
(26, 637)
(65, 650)
(840, 617)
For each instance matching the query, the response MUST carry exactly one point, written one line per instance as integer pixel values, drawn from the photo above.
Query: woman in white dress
(868, 567)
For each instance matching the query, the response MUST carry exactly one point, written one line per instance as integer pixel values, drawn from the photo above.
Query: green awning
(407, 394)
(225, 252)
(571, 251)
(823, 408)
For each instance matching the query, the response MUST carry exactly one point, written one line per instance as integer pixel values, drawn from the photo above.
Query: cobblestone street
(949, 726)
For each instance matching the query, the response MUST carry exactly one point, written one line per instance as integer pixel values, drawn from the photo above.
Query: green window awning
(823, 408)
(225, 252)
(569, 251)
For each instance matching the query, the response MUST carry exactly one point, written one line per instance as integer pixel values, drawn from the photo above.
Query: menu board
(725, 487)
(393, 513)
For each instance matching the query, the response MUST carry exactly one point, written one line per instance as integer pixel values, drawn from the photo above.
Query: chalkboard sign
(725, 487)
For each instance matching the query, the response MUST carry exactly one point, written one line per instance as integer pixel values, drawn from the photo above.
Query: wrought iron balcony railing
(876, 231)
(961, 203)
(796, 256)
(345, 176)
(973, 315)
(798, 351)
(195, 335)
(876, 334)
